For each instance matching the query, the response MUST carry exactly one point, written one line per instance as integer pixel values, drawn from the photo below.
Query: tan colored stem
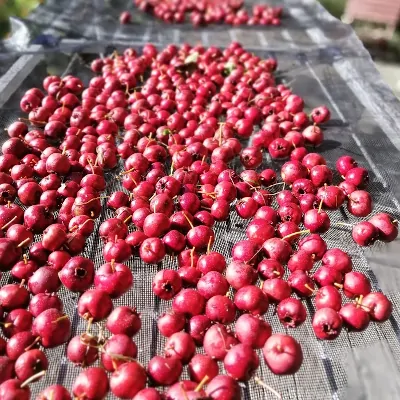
(295, 234)
(33, 378)
(8, 223)
(269, 388)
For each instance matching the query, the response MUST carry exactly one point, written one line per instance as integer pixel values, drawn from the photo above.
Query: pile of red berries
(205, 12)
(170, 125)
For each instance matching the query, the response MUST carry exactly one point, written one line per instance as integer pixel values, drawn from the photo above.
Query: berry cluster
(205, 12)
(171, 125)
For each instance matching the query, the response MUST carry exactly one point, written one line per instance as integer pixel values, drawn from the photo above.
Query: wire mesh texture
(321, 60)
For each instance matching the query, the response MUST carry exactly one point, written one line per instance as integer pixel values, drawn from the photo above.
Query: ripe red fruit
(23, 270)
(325, 276)
(18, 344)
(180, 345)
(277, 249)
(201, 366)
(332, 197)
(58, 392)
(241, 362)
(359, 203)
(364, 233)
(6, 370)
(251, 157)
(270, 269)
(314, 245)
(291, 312)
(117, 345)
(387, 227)
(16, 321)
(282, 354)
(156, 225)
(212, 261)
(170, 323)
(259, 230)
(239, 274)
(245, 251)
(220, 309)
(320, 115)
(12, 389)
(30, 363)
(91, 383)
(189, 302)
(44, 280)
(251, 299)
(77, 274)
(328, 297)
(313, 135)
(114, 279)
(53, 327)
(44, 301)
(301, 283)
(83, 350)
(152, 250)
(276, 289)
(327, 324)
(357, 176)
(197, 328)
(301, 260)
(9, 254)
(13, 296)
(217, 341)
(316, 221)
(344, 164)
(164, 371)
(223, 387)
(279, 148)
(356, 284)
(292, 171)
(118, 251)
(354, 317)
(378, 306)
(124, 320)
(148, 394)
(338, 259)
(94, 304)
(166, 284)
(128, 380)
(252, 330)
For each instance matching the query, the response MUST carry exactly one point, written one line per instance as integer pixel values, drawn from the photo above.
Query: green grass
(335, 7)
(14, 8)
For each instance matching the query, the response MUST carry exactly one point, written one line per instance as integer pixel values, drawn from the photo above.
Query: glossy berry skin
(327, 324)
(282, 354)
(241, 362)
(91, 383)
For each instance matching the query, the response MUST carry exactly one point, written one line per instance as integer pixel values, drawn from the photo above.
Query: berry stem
(32, 344)
(33, 378)
(263, 384)
(127, 219)
(8, 223)
(183, 391)
(320, 206)
(201, 384)
(60, 318)
(24, 242)
(296, 234)
(309, 288)
(89, 201)
(188, 220)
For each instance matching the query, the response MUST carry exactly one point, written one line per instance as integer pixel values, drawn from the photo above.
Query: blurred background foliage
(14, 8)
(20, 8)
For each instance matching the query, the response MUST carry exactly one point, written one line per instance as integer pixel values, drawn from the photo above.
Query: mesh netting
(323, 62)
